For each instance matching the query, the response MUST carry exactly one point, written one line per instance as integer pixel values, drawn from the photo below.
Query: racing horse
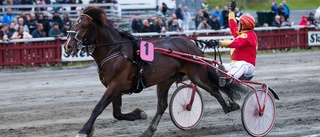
(120, 71)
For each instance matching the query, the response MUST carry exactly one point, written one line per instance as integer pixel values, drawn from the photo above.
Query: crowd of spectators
(181, 19)
(282, 17)
(34, 25)
(42, 23)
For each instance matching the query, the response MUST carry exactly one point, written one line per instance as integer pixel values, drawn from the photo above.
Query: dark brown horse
(118, 66)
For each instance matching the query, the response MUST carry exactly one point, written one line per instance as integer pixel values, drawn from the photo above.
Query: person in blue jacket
(218, 14)
(286, 10)
(8, 17)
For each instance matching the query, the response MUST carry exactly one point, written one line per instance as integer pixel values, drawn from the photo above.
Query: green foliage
(266, 4)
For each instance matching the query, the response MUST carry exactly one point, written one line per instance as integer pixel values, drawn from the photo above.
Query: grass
(265, 5)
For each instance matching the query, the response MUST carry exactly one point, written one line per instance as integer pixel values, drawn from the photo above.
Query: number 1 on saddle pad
(146, 51)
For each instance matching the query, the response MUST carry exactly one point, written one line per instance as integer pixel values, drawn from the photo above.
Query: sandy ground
(57, 102)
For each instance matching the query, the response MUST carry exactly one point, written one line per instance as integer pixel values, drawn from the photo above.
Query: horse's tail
(232, 91)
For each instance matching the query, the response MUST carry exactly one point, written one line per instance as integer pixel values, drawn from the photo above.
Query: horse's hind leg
(134, 115)
(202, 80)
(162, 94)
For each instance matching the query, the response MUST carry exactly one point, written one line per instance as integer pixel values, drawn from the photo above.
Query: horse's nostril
(69, 47)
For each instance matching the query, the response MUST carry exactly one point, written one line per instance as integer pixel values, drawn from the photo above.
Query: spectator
(164, 8)
(276, 22)
(23, 15)
(198, 18)
(41, 19)
(205, 13)
(37, 13)
(21, 23)
(150, 19)
(286, 10)
(42, 2)
(15, 21)
(8, 2)
(274, 7)
(179, 13)
(204, 4)
(214, 23)
(55, 31)
(136, 24)
(56, 18)
(159, 26)
(204, 25)
(38, 33)
(311, 20)
(8, 17)
(281, 11)
(285, 22)
(186, 18)
(47, 25)
(159, 12)
(218, 14)
(11, 30)
(237, 12)
(304, 21)
(146, 27)
(175, 26)
(21, 34)
(4, 32)
(65, 19)
(173, 17)
(160, 17)
(66, 27)
(225, 14)
(31, 22)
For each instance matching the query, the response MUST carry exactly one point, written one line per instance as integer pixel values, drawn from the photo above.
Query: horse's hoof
(146, 133)
(234, 106)
(81, 135)
(143, 115)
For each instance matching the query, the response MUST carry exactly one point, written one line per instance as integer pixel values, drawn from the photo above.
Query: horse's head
(84, 31)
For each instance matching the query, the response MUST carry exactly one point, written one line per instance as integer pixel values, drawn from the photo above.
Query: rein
(107, 44)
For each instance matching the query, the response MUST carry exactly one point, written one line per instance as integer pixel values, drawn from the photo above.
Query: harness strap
(126, 57)
(109, 58)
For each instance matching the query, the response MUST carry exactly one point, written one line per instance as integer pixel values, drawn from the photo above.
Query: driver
(245, 44)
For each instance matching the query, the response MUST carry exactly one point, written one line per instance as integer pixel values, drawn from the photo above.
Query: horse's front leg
(162, 93)
(134, 115)
(87, 129)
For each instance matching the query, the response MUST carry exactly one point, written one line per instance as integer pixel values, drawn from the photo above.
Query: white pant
(239, 68)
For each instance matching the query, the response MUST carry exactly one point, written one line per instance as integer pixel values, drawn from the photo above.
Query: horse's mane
(98, 15)
(100, 18)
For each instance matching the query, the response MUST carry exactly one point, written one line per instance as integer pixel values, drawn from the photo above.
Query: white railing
(110, 8)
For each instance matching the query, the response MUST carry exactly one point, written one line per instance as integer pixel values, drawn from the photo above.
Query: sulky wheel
(255, 122)
(181, 116)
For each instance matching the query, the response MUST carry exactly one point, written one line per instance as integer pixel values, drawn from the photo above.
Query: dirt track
(57, 102)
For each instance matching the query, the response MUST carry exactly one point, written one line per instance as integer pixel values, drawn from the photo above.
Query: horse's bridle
(75, 34)
(90, 48)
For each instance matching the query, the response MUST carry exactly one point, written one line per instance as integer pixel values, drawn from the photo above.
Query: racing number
(146, 51)
(147, 48)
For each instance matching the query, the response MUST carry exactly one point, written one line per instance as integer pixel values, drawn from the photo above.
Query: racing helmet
(247, 21)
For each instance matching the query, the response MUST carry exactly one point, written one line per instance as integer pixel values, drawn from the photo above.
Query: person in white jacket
(21, 34)
(186, 18)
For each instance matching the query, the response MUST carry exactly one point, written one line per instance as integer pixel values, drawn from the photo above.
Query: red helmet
(247, 21)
